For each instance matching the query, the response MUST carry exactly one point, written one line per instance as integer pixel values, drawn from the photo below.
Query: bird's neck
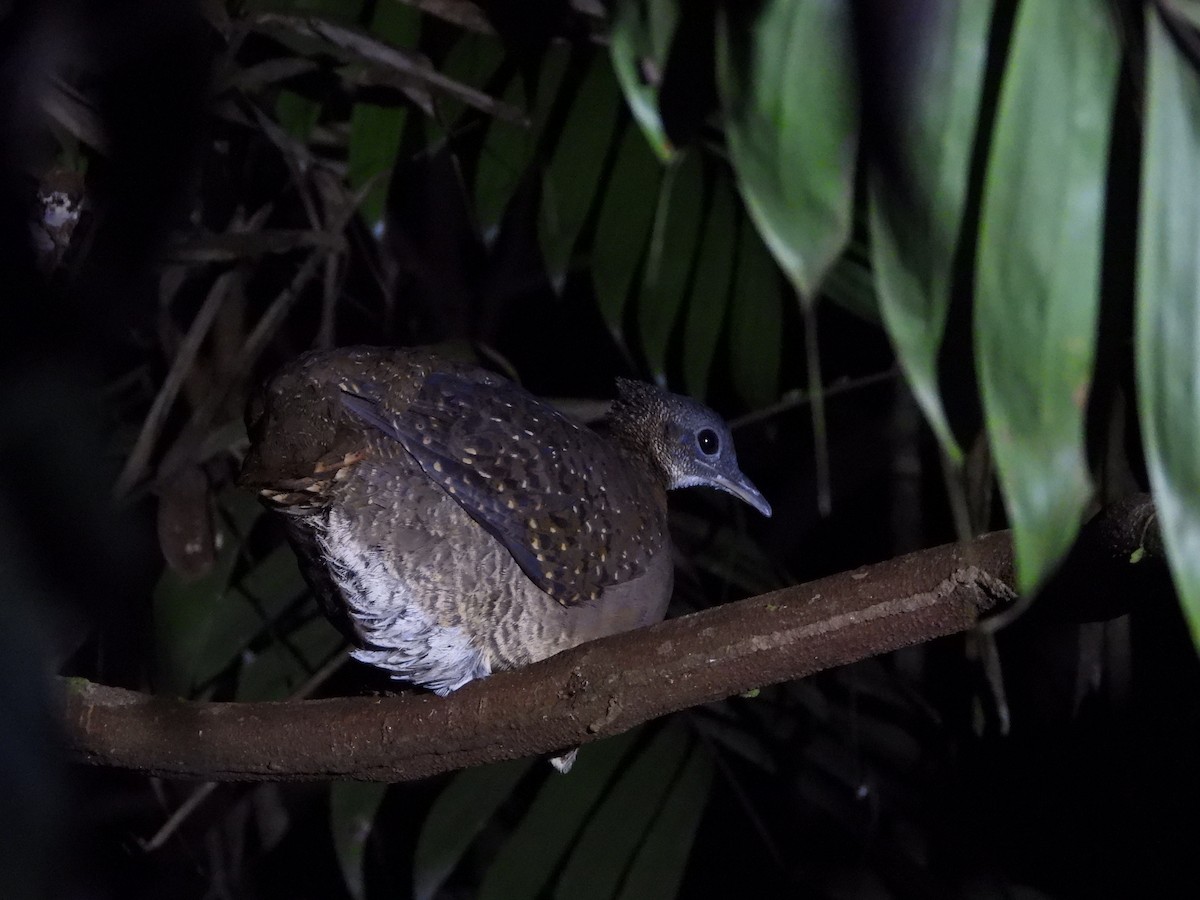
(639, 453)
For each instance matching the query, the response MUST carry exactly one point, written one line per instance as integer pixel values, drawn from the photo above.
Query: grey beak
(744, 490)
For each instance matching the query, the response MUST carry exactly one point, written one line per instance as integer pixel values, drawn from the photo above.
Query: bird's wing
(573, 514)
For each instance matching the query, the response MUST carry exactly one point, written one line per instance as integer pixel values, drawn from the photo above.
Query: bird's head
(688, 442)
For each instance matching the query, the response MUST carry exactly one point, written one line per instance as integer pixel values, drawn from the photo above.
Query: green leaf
(205, 627)
(915, 227)
(661, 861)
(1168, 318)
(639, 41)
(1037, 284)
(709, 298)
(615, 832)
(526, 862)
(374, 142)
(544, 94)
(623, 229)
(505, 155)
(502, 162)
(473, 60)
(851, 285)
(352, 809)
(296, 114)
(573, 173)
(401, 66)
(1185, 12)
(399, 23)
(756, 321)
(195, 624)
(673, 249)
(508, 149)
(457, 817)
(375, 130)
(791, 119)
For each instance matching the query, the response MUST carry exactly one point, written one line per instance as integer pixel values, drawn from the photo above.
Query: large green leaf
(380, 60)
(658, 868)
(203, 627)
(573, 174)
(1168, 314)
(526, 863)
(623, 229)
(851, 284)
(1037, 283)
(503, 159)
(508, 149)
(614, 834)
(756, 321)
(201, 624)
(1184, 12)
(672, 252)
(915, 225)
(473, 61)
(708, 300)
(788, 97)
(352, 808)
(375, 130)
(457, 817)
(297, 114)
(374, 141)
(640, 40)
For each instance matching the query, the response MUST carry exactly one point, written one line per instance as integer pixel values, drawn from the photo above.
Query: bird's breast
(437, 601)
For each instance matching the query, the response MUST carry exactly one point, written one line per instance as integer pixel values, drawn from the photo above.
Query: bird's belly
(427, 614)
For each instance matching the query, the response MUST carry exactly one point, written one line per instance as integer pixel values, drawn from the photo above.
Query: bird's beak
(743, 489)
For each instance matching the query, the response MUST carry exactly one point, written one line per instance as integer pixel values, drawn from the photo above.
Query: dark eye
(708, 440)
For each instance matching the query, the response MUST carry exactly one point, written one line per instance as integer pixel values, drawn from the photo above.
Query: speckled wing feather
(558, 496)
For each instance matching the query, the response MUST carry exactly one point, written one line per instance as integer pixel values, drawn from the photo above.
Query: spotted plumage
(543, 486)
(454, 525)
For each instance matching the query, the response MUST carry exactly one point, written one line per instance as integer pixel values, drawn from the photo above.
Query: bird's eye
(708, 440)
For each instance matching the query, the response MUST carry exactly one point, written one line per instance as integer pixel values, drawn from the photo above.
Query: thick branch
(599, 689)
(595, 690)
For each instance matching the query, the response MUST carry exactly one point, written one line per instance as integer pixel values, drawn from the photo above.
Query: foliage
(686, 192)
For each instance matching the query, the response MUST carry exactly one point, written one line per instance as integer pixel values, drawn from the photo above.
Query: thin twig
(139, 458)
(797, 399)
(183, 451)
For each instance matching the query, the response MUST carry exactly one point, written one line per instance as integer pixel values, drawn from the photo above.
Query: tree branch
(595, 690)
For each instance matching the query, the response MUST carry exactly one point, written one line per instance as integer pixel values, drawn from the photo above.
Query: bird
(453, 525)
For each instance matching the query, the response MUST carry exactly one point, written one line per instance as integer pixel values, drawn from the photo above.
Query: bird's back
(451, 524)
